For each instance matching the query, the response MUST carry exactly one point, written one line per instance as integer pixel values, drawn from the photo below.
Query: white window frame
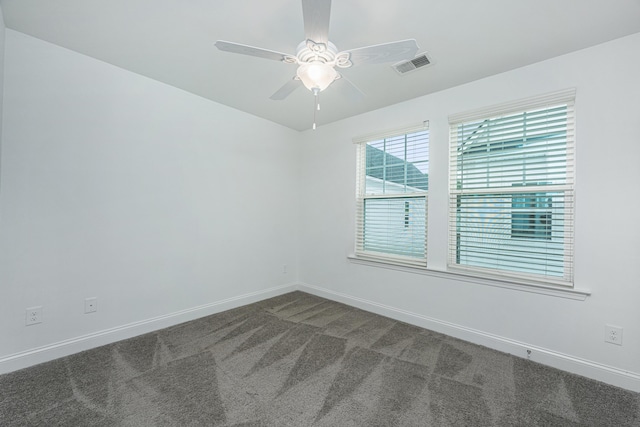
(567, 189)
(361, 198)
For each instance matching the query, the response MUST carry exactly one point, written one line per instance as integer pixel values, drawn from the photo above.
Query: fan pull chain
(316, 94)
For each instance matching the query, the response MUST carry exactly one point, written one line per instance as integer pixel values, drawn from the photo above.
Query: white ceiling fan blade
(251, 51)
(316, 15)
(387, 52)
(348, 89)
(286, 90)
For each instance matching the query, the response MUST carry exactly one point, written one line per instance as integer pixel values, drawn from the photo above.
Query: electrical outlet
(613, 334)
(284, 268)
(34, 315)
(90, 305)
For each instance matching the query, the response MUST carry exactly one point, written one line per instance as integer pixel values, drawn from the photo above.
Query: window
(511, 180)
(393, 179)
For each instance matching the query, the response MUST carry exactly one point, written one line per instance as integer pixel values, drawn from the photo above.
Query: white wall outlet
(613, 334)
(34, 315)
(90, 305)
(284, 268)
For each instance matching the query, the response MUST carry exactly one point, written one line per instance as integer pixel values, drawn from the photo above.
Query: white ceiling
(173, 41)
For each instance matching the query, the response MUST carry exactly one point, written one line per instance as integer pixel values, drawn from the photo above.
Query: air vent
(405, 67)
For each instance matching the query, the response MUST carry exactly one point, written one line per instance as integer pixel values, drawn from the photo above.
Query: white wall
(2, 31)
(149, 198)
(565, 332)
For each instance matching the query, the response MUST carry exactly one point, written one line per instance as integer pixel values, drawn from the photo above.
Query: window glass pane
(395, 226)
(519, 149)
(398, 164)
(531, 215)
(530, 237)
(418, 176)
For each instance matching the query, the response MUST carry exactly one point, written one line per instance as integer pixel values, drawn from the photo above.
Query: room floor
(300, 360)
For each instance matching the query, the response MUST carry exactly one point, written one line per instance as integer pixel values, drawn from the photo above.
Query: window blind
(511, 186)
(391, 199)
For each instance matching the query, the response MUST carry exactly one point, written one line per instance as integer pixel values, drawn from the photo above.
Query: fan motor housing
(308, 51)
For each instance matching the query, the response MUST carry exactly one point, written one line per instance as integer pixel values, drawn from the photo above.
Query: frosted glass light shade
(316, 75)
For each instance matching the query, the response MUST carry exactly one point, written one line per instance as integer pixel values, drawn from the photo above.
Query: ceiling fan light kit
(316, 75)
(317, 58)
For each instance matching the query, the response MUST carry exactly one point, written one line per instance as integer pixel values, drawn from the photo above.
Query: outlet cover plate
(613, 334)
(34, 315)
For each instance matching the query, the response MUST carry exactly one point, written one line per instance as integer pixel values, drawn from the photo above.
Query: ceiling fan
(317, 58)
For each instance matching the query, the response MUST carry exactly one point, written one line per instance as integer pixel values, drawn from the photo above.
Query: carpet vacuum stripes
(301, 360)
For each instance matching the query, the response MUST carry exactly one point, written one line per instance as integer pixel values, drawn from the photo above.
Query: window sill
(555, 291)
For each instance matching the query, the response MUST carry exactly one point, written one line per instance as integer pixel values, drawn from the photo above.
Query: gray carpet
(300, 360)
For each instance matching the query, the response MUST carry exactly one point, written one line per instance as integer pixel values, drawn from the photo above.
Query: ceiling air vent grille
(412, 65)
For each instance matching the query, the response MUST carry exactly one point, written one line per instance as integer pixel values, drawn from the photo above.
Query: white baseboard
(56, 350)
(607, 374)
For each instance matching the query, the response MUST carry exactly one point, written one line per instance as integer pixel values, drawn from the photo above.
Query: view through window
(511, 191)
(393, 180)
